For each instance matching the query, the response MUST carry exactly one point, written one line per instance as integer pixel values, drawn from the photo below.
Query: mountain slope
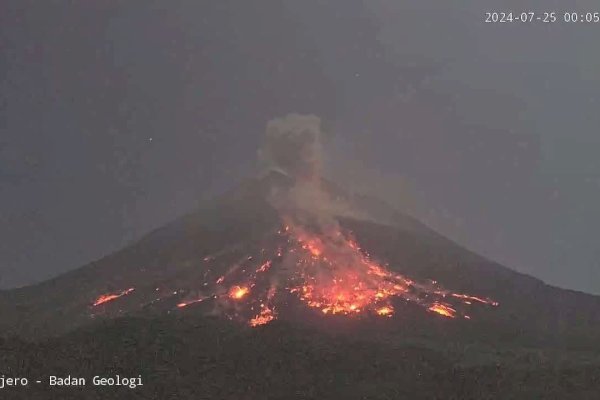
(175, 265)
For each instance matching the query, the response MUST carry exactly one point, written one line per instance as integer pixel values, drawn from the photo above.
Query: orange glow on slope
(328, 271)
(266, 315)
(385, 311)
(264, 267)
(337, 278)
(105, 298)
(237, 292)
(443, 309)
(314, 246)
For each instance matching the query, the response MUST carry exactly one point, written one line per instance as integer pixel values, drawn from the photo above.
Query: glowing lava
(266, 315)
(333, 274)
(326, 270)
(264, 267)
(338, 278)
(237, 292)
(468, 299)
(385, 311)
(105, 298)
(443, 309)
(187, 303)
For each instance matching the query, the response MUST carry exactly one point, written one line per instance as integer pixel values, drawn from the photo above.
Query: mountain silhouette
(176, 265)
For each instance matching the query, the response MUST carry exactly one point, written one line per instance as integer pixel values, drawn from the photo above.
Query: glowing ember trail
(264, 267)
(474, 298)
(443, 309)
(187, 303)
(105, 298)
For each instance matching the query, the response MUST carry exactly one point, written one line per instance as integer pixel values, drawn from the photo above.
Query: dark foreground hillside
(205, 358)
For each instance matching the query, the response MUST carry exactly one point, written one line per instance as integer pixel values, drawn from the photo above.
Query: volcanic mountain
(243, 257)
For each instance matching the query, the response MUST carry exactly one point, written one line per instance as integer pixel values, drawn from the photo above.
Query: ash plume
(292, 145)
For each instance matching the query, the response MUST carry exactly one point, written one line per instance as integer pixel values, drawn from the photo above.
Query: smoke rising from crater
(292, 144)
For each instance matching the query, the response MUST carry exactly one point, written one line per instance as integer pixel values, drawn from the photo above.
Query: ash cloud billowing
(292, 145)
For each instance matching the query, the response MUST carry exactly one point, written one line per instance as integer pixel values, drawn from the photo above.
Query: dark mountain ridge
(209, 358)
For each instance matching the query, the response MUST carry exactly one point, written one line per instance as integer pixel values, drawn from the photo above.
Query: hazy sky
(118, 116)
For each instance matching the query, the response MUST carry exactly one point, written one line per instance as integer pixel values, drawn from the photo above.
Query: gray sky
(118, 116)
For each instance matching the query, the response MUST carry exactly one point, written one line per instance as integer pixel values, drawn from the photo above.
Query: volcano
(244, 258)
(251, 296)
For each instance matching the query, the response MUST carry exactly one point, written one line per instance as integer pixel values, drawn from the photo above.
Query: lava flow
(443, 309)
(187, 303)
(105, 298)
(335, 276)
(324, 269)
(265, 316)
(237, 292)
(328, 271)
